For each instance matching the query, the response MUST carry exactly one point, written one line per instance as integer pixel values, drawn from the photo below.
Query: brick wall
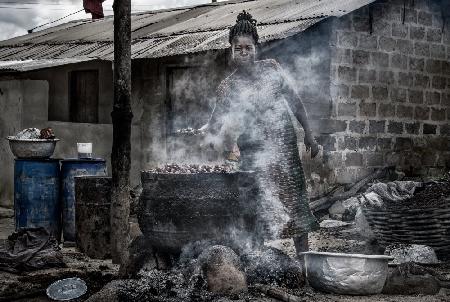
(390, 81)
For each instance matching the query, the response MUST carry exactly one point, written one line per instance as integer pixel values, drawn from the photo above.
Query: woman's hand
(311, 144)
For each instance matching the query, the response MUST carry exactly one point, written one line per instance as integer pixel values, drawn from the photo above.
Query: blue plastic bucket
(36, 194)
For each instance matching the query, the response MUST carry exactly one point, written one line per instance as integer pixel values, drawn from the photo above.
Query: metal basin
(32, 148)
(348, 274)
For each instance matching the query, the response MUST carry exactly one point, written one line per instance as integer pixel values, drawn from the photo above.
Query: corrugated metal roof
(175, 31)
(27, 65)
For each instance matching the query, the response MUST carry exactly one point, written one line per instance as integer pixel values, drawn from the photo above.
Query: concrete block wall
(390, 90)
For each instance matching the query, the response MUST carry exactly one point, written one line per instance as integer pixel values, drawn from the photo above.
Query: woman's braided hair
(245, 25)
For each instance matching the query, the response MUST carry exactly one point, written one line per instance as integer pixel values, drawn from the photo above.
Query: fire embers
(190, 131)
(47, 133)
(193, 168)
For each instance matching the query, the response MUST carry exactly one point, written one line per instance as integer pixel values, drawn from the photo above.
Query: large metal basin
(176, 209)
(348, 274)
(32, 148)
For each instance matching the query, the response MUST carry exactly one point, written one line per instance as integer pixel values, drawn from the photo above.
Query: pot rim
(31, 140)
(344, 255)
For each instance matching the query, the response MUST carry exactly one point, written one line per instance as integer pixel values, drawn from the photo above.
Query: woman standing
(252, 119)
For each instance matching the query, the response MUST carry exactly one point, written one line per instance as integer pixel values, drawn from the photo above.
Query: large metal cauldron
(176, 209)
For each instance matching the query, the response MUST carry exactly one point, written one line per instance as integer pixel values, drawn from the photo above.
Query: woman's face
(243, 50)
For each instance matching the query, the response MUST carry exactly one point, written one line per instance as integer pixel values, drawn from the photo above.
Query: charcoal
(192, 169)
(433, 194)
(189, 132)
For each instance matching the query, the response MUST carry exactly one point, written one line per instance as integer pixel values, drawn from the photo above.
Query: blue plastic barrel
(69, 169)
(36, 194)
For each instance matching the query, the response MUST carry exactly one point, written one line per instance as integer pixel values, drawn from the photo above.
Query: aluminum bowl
(32, 148)
(348, 274)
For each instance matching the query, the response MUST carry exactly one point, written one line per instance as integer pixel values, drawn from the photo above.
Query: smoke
(250, 111)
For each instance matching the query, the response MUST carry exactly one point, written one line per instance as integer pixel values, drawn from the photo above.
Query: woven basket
(427, 226)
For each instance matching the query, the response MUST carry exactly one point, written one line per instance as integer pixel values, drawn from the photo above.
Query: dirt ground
(31, 286)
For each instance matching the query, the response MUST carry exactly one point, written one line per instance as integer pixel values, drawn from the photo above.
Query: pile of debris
(34, 133)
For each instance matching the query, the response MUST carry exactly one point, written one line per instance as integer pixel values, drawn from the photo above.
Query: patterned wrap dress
(253, 113)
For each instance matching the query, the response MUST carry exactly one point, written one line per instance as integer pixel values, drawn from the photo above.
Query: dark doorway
(84, 96)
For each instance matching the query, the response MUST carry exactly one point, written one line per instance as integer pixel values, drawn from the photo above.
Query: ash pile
(208, 272)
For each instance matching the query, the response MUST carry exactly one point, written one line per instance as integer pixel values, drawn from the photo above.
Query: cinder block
(380, 93)
(417, 32)
(416, 64)
(360, 92)
(373, 159)
(438, 51)
(368, 41)
(424, 18)
(367, 109)
(422, 49)
(361, 24)
(347, 39)
(395, 127)
(405, 46)
(386, 77)
(357, 126)
(412, 128)
(432, 98)
(415, 96)
(421, 113)
(403, 143)
(437, 114)
(368, 143)
(399, 30)
(347, 109)
(347, 74)
(439, 82)
(377, 127)
(398, 95)
(367, 76)
(405, 79)
(353, 159)
(434, 35)
(384, 143)
(386, 110)
(433, 66)
(429, 129)
(399, 61)
(380, 59)
(404, 111)
(361, 57)
(387, 44)
(421, 81)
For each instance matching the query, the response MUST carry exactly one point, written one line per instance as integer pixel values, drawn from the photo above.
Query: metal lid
(89, 160)
(66, 289)
(37, 159)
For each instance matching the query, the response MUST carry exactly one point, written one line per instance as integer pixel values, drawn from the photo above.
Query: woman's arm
(298, 108)
(220, 129)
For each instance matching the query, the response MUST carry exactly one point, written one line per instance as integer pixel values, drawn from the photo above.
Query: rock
(222, 270)
(404, 253)
(410, 279)
(272, 267)
(363, 226)
(347, 208)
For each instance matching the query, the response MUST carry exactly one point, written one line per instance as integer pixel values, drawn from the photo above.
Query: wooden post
(121, 119)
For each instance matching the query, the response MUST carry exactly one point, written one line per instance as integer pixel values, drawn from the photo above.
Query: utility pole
(121, 119)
